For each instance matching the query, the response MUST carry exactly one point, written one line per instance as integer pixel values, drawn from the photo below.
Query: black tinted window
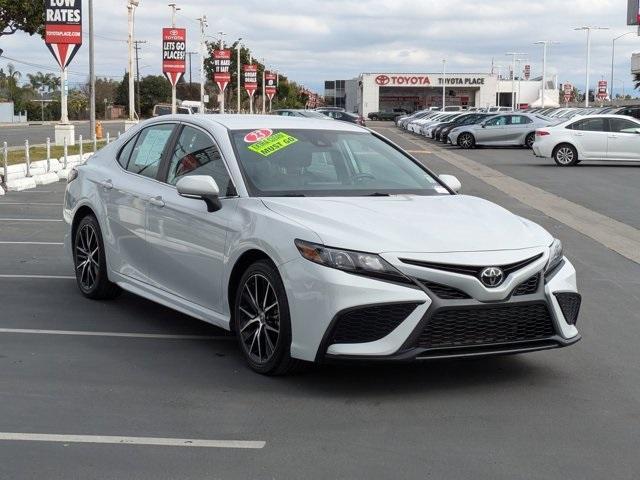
(589, 124)
(623, 125)
(196, 154)
(147, 153)
(125, 153)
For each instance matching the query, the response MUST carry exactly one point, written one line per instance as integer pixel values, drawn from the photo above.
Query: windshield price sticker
(272, 144)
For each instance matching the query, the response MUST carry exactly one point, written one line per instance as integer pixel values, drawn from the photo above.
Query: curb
(17, 179)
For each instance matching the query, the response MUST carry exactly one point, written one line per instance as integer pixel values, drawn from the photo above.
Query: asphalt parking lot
(127, 374)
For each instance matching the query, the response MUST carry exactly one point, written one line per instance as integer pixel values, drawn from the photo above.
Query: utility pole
(203, 51)
(444, 84)
(264, 95)
(238, 86)
(545, 44)
(174, 109)
(613, 54)
(190, 53)
(513, 78)
(137, 48)
(92, 75)
(131, 9)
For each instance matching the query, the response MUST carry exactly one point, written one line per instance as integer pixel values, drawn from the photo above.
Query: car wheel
(529, 140)
(90, 261)
(565, 155)
(262, 322)
(466, 141)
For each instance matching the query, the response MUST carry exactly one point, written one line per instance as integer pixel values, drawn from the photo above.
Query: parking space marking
(30, 220)
(33, 203)
(31, 243)
(87, 333)
(418, 151)
(44, 277)
(147, 441)
(617, 236)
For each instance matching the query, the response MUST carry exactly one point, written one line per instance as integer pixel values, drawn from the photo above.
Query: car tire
(466, 140)
(91, 272)
(565, 155)
(263, 324)
(529, 140)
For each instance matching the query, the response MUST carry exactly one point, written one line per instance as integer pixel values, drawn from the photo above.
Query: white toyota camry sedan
(313, 241)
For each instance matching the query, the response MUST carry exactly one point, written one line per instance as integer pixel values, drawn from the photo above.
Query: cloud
(314, 40)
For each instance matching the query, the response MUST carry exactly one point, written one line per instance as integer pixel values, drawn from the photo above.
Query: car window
(633, 112)
(520, 120)
(125, 152)
(623, 125)
(147, 153)
(589, 124)
(195, 153)
(328, 163)
(496, 121)
(163, 110)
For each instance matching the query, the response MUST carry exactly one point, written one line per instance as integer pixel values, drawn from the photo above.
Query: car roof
(248, 122)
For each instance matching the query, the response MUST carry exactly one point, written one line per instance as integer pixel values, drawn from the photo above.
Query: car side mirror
(451, 181)
(201, 187)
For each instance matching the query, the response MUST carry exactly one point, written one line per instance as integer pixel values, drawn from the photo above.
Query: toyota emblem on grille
(491, 276)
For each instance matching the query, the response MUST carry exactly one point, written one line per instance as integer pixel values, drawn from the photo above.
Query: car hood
(411, 223)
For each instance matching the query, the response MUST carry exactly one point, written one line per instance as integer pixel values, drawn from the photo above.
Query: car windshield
(318, 163)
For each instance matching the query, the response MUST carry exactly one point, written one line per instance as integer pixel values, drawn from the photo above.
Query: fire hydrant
(99, 132)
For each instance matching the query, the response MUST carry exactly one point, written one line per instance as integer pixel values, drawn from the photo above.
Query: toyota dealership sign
(402, 80)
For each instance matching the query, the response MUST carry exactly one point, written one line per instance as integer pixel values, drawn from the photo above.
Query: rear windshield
(327, 163)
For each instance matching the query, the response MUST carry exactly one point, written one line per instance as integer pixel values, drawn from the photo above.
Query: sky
(316, 40)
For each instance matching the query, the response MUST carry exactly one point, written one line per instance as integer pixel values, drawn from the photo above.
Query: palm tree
(36, 80)
(12, 78)
(636, 80)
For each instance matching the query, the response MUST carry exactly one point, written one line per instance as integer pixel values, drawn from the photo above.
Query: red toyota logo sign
(382, 80)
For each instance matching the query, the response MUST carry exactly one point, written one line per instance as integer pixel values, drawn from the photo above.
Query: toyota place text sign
(63, 29)
(174, 49)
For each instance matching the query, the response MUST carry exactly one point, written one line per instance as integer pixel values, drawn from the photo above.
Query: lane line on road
(44, 277)
(418, 151)
(30, 220)
(146, 441)
(31, 243)
(39, 204)
(613, 234)
(87, 333)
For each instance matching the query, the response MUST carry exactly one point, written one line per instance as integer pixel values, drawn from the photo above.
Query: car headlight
(555, 256)
(359, 263)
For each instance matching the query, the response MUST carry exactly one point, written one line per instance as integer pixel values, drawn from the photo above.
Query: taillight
(542, 133)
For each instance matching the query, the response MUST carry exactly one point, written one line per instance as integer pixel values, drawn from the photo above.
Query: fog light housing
(569, 305)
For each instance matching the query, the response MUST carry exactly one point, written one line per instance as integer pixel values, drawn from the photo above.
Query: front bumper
(320, 297)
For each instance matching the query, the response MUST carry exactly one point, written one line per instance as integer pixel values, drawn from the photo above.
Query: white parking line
(44, 277)
(30, 220)
(148, 441)
(33, 203)
(31, 243)
(86, 333)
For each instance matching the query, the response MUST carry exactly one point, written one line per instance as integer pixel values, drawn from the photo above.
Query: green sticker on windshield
(272, 144)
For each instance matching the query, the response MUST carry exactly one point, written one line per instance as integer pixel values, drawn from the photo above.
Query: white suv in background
(596, 137)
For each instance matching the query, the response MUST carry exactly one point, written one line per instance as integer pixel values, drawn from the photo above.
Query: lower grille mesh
(482, 326)
(368, 324)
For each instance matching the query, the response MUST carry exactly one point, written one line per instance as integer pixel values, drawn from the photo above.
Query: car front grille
(467, 327)
(444, 291)
(368, 324)
(527, 287)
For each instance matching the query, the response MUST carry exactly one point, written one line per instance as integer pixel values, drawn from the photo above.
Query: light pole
(131, 9)
(586, 87)
(239, 48)
(613, 54)
(499, 67)
(203, 51)
(264, 94)
(545, 44)
(444, 63)
(92, 74)
(513, 77)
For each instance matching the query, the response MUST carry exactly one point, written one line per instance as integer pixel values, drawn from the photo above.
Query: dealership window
(329, 85)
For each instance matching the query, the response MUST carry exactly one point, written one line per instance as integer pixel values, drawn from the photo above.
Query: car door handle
(156, 202)
(579, 134)
(613, 136)
(106, 184)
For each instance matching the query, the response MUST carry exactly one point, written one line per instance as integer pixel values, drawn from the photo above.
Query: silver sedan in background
(513, 129)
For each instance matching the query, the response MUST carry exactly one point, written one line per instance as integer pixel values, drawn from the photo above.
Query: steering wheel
(362, 176)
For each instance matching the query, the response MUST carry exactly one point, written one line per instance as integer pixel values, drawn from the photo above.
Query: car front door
(125, 195)
(186, 243)
(519, 126)
(623, 140)
(491, 131)
(589, 135)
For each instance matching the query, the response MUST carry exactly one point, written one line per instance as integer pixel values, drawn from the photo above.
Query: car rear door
(186, 243)
(125, 195)
(623, 141)
(492, 131)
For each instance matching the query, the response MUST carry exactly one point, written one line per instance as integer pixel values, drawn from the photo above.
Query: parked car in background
(595, 137)
(404, 123)
(293, 112)
(442, 132)
(427, 130)
(345, 117)
(329, 109)
(630, 111)
(514, 129)
(498, 109)
(415, 126)
(165, 109)
(387, 114)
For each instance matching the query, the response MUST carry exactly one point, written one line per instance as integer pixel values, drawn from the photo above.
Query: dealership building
(413, 91)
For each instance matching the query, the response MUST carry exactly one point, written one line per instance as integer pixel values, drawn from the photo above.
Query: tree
(636, 81)
(153, 89)
(25, 15)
